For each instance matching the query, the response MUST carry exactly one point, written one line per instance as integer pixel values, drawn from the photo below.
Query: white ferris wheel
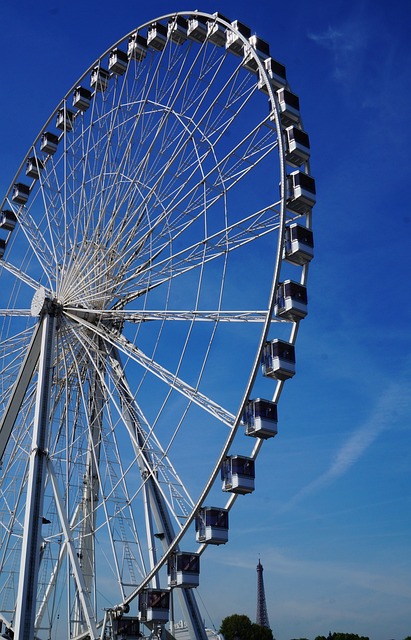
(154, 251)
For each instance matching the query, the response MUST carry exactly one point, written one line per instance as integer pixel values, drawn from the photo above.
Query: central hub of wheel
(42, 302)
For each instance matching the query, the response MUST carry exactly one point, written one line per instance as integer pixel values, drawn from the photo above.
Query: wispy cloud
(392, 406)
(280, 562)
(306, 594)
(345, 44)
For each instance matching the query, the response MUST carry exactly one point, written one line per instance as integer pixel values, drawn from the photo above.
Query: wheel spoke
(161, 372)
(152, 315)
(143, 236)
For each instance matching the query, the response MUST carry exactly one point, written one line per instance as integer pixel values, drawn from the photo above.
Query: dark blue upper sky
(331, 516)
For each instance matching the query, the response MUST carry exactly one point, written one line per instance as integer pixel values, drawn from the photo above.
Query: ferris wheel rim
(270, 307)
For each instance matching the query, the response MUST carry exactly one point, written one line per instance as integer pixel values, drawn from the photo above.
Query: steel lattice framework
(154, 253)
(262, 614)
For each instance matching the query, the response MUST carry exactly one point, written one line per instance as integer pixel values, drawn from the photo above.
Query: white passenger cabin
(212, 525)
(260, 418)
(177, 29)
(81, 98)
(289, 105)
(99, 79)
(299, 244)
(276, 73)
(21, 193)
(183, 569)
(197, 28)
(278, 360)
(154, 605)
(234, 42)
(49, 142)
(137, 47)
(291, 303)
(300, 192)
(262, 51)
(157, 36)
(7, 220)
(238, 474)
(117, 61)
(216, 31)
(64, 119)
(297, 146)
(33, 167)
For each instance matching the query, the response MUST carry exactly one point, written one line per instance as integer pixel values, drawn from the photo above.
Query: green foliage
(240, 627)
(342, 636)
(236, 626)
(346, 636)
(260, 633)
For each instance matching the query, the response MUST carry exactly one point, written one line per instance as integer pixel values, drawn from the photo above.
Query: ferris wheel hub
(43, 302)
(39, 299)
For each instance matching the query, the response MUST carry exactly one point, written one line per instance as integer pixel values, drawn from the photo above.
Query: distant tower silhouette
(262, 615)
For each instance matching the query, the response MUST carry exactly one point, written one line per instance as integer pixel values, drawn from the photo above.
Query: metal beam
(30, 552)
(158, 507)
(20, 388)
(82, 590)
(86, 548)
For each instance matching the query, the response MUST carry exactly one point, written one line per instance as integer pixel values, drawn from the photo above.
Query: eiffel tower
(262, 615)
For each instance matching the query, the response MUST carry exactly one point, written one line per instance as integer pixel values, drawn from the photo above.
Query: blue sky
(331, 516)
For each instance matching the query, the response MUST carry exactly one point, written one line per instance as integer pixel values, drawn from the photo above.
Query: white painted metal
(154, 229)
(82, 591)
(91, 490)
(19, 389)
(156, 507)
(30, 554)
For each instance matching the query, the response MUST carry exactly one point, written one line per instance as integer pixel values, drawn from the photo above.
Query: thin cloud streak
(279, 562)
(345, 44)
(392, 405)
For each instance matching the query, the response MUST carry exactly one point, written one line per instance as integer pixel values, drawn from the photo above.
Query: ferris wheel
(154, 252)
